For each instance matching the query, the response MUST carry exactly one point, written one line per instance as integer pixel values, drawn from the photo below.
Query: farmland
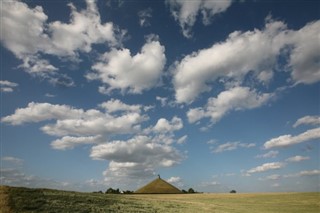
(17, 199)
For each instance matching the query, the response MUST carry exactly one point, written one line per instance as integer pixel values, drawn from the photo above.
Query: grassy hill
(21, 200)
(158, 186)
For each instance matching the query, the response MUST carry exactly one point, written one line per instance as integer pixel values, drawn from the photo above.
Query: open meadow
(16, 199)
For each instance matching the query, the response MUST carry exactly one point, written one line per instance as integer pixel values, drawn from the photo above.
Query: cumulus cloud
(118, 69)
(137, 157)
(7, 86)
(36, 112)
(76, 122)
(173, 179)
(288, 140)
(304, 57)
(186, 12)
(266, 167)
(307, 120)
(237, 98)
(246, 52)
(29, 36)
(69, 142)
(144, 17)
(163, 125)
(297, 158)
(229, 146)
(115, 105)
(177, 181)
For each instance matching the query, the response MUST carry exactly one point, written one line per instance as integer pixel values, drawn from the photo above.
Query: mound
(158, 186)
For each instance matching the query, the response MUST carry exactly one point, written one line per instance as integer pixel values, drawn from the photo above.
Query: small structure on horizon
(158, 186)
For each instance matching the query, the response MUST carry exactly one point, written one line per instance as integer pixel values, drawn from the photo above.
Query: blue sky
(213, 95)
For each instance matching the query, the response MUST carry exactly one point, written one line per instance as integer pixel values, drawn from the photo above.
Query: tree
(233, 191)
(191, 190)
(110, 191)
(113, 191)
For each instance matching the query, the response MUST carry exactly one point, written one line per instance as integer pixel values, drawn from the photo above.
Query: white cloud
(83, 30)
(34, 65)
(244, 52)
(119, 70)
(76, 122)
(288, 140)
(7, 86)
(36, 112)
(177, 181)
(23, 32)
(186, 12)
(309, 173)
(163, 125)
(270, 154)
(163, 100)
(69, 142)
(137, 157)
(144, 17)
(229, 146)
(237, 98)
(273, 177)
(266, 167)
(115, 105)
(11, 159)
(49, 95)
(305, 57)
(307, 120)
(174, 180)
(297, 158)
(304, 173)
(30, 37)
(182, 139)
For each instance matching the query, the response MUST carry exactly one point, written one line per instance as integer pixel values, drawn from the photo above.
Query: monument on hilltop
(158, 186)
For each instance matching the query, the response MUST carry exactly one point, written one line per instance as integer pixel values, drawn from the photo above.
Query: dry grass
(4, 199)
(45, 200)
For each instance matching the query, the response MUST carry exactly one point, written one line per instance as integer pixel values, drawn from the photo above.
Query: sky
(211, 95)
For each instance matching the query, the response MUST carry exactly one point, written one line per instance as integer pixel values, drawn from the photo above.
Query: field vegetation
(17, 199)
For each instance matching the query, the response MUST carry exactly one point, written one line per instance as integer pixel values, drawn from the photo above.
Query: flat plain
(18, 199)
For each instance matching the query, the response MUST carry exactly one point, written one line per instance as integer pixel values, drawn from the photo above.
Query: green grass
(45, 200)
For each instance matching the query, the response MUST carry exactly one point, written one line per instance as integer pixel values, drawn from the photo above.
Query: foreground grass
(16, 199)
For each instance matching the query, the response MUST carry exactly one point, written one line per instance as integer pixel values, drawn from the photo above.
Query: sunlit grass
(45, 200)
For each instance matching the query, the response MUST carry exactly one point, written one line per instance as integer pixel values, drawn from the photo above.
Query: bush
(233, 191)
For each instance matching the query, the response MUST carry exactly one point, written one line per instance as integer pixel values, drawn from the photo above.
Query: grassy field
(13, 199)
